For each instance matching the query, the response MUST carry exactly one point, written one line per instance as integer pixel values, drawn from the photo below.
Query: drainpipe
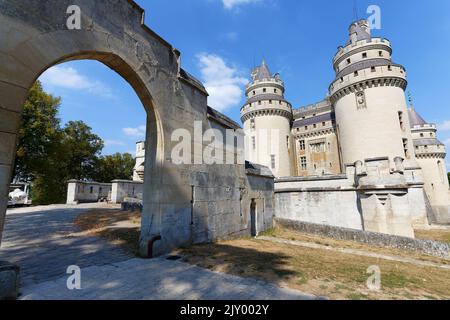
(151, 242)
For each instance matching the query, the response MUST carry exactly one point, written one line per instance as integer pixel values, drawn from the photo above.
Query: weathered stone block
(9, 121)
(12, 97)
(7, 147)
(9, 281)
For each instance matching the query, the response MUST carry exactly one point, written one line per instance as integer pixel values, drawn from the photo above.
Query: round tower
(369, 98)
(430, 154)
(138, 171)
(267, 119)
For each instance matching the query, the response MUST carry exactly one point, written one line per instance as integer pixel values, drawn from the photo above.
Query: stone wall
(370, 196)
(428, 247)
(328, 200)
(122, 189)
(86, 192)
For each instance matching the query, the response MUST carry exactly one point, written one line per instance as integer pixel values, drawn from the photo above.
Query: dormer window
(264, 90)
(390, 68)
(373, 69)
(380, 53)
(364, 55)
(355, 73)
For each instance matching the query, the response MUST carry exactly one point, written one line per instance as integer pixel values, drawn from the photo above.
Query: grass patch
(323, 273)
(121, 228)
(435, 235)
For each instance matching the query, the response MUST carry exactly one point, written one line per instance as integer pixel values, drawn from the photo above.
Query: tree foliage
(39, 133)
(49, 155)
(116, 166)
(448, 175)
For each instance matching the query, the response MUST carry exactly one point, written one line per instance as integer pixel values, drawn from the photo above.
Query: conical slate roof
(415, 119)
(362, 30)
(262, 72)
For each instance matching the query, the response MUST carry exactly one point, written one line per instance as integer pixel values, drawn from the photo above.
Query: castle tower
(430, 154)
(138, 171)
(369, 98)
(267, 119)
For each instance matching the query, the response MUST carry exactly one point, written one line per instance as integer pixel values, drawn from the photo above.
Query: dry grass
(435, 234)
(315, 271)
(297, 236)
(121, 228)
(320, 272)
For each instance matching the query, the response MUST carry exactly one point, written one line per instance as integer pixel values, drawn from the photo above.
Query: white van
(19, 195)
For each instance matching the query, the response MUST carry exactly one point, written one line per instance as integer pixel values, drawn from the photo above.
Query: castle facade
(364, 122)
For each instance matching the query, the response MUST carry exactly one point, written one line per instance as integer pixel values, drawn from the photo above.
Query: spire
(262, 72)
(415, 118)
(355, 10)
(359, 30)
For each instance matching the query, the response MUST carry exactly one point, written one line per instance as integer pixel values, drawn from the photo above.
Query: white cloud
(138, 133)
(223, 83)
(232, 36)
(114, 143)
(70, 78)
(447, 142)
(445, 126)
(231, 4)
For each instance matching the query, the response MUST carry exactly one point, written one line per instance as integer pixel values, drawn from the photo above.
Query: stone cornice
(314, 133)
(362, 49)
(266, 112)
(431, 155)
(264, 85)
(369, 83)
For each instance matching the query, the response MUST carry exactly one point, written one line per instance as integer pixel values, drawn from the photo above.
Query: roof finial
(410, 100)
(355, 10)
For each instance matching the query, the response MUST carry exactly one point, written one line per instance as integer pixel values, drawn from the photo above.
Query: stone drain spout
(151, 242)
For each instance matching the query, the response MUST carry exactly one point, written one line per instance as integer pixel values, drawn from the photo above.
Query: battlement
(367, 42)
(370, 76)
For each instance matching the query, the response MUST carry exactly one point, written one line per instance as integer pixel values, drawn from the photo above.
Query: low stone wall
(122, 189)
(428, 247)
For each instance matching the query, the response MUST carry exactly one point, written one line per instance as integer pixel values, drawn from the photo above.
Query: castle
(361, 158)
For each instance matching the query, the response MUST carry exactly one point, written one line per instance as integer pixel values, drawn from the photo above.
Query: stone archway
(36, 37)
(183, 204)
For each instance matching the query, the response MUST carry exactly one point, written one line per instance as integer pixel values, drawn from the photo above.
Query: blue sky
(222, 40)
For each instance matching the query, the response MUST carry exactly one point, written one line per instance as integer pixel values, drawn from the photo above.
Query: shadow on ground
(39, 240)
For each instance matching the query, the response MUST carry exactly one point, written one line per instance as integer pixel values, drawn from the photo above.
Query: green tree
(48, 155)
(116, 166)
(81, 149)
(38, 134)
(448, 176)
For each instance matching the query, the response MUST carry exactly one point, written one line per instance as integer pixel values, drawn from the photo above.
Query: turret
(267, 118)
(430, 154)
(369, 97)
(138, 171)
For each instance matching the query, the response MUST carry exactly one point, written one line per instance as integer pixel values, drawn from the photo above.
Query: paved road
(37, 239)
(159, 279)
